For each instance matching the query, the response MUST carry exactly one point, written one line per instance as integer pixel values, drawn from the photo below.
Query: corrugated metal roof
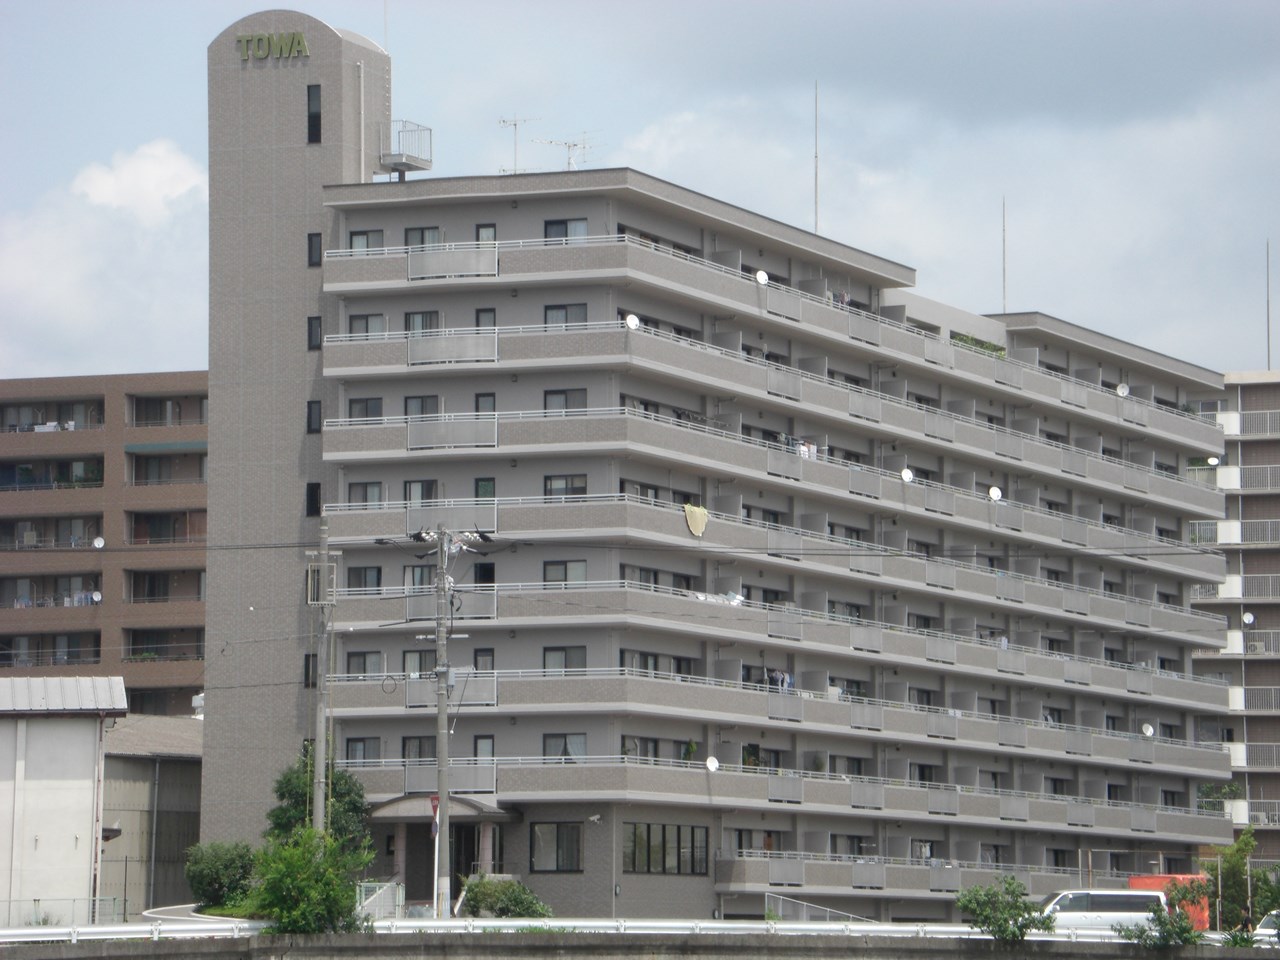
(143, 735)
(63, 695)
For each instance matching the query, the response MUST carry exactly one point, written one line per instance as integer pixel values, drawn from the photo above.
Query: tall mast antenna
(815, 156)
(1268, 303)
(1004, 261)
(514, 124)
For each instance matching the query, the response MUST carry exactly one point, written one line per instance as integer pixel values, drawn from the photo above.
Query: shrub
(307, 883)
(490, 897)
(219, 873)
(1163, 929)
(1002, 910)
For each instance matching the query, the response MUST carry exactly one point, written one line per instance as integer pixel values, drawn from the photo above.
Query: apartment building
(102, 524)
(1249, 414)
(765, 575)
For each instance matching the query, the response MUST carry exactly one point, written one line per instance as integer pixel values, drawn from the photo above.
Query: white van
(1100, 909)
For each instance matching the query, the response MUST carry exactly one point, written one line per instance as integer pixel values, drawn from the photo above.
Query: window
(482, 746)
(564, 399)
(369, 491)
(486, 233)
(424, 406)
(315, 252)
(644, 747)
(555, 847)
(564, 658)
(486, 403)
(314, 419)
(364, 748)
(364, 578)
(364, 408)
(313, 500)
(313, 113)
(564, 314)
(486, 318)
(421, 236)
(486, 488)
(564, 571)
(421, 575)
(564, 485)
(418, 664)
(315, 335)
(364, 662)
(367, 323)
(564, 745)
(309, 671)
(565, 229)
(420, 321)
(418, 748)
(664, 848)
(484, 573)
(416, 491)
(482, 659)
(365, 239)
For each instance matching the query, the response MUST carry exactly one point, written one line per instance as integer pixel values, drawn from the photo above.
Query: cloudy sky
(1135, 146)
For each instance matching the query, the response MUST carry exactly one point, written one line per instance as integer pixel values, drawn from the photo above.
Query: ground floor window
(664, 848)
(555, 847)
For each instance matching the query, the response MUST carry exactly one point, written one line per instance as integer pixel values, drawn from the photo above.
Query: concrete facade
(1249, 414)
(121, 458)
(795, 582)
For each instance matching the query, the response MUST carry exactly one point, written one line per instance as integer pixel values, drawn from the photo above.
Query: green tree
(307, 883)
(1002, 910)
(1227, 869)
(490, 897)
(219, 873)
(347, 818)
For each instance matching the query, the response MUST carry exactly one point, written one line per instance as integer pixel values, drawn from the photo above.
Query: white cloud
(145, 184)
(101, 278)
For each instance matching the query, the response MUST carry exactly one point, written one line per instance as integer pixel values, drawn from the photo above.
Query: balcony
(881, 567)
(714, 447)
(825, 711)
(50, 650)
(620, 778)
(722, 369)
(164, 644)
(395, 268)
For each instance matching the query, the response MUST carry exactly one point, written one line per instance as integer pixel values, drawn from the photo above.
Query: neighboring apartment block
(1249, 473)
(102, 529)
(792, 582)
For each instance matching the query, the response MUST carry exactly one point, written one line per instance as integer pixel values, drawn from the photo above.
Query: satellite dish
(1248, 619)
(97, 596)
(907, 475)
(1122, 389)
(995, 494)
(633, 322)
(1213, 461)
(98, 543)
(762, 278)
(712, 764)
(1148, 729)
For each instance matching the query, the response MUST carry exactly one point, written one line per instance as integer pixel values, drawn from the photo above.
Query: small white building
(51, 775)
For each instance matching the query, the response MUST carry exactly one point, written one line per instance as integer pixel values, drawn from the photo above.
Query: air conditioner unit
(29, 538)
(1257, 646)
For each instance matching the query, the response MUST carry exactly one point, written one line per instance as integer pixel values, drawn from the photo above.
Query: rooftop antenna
(514, 124)
(1268, 303)
(569, 147)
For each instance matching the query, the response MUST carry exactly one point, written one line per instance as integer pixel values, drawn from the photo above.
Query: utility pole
(444, 869)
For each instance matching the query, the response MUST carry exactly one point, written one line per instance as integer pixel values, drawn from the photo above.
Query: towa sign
(272, 46)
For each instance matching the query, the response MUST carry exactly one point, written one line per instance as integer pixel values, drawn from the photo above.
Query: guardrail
(212, 928)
